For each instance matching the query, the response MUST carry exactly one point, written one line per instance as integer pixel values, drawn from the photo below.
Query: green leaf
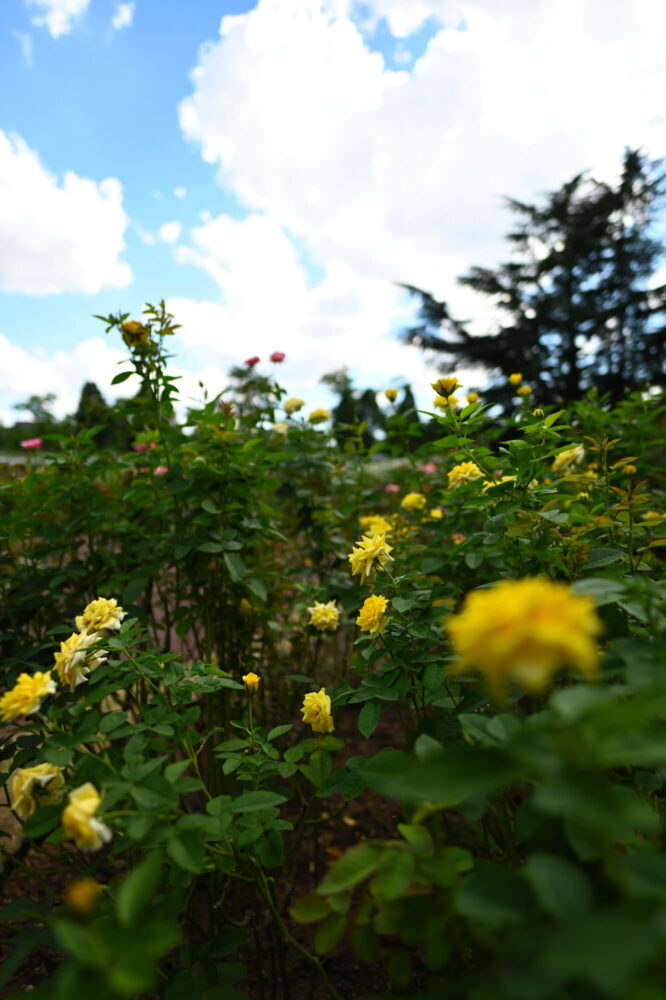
(329, 933)
(418, 838)
(599, 589)
(255, 801)
(120, 377)
(235, 565)
(560, 887)
(209, 506)
(187, 850)
(309, 910)
(134, 589)
(552, 417)
(211, 547)
(138, 888)
(395, 874)
(353, 867)
(258, 588)
(278, 731)
(368, 717)
(270, 850)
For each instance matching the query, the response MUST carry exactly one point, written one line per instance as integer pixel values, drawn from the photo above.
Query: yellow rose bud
(516, 378)
(445, 386)
(472, 397)
(413, 501)
(319, 416)
(524, 390)
(391, 394)
(82, 896)
(251, 682)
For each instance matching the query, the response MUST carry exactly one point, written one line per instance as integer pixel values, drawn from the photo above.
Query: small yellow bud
(445, 386)
(391, 394)
(472, 397)
(524, 390)
(516, 378)
(251, 682)
(82, 896)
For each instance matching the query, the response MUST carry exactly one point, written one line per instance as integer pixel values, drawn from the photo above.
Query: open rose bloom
(31, 444)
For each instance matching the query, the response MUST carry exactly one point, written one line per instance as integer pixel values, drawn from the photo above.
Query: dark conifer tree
(576, 307)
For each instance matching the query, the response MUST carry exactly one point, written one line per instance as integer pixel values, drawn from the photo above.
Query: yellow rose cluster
(523, 632)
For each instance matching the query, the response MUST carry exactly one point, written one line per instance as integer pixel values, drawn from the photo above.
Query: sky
(274, 169)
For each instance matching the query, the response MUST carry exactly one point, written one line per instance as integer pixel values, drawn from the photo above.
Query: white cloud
(169, 232)
(59, 15)
(57, 237)
(24, 39)
(180, 192)
(123, 16)
(266, 304)
(400, 175)
(24, 373)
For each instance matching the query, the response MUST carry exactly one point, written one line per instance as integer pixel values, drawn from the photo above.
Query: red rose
(278, 356)
(251, 362)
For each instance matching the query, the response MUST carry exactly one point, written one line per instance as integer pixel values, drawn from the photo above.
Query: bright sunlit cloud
(58, 16)
(123, 16)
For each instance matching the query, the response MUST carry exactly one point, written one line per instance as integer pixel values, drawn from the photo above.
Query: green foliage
(524, 854)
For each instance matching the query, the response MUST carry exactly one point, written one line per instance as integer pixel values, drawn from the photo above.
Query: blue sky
(271, 168)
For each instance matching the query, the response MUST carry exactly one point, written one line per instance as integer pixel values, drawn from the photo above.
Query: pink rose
(428, 467)
(392, 488)
(161, 470)
(153, 444)
(140, 446)
(278, 356)
(31, 444)
(251, 362)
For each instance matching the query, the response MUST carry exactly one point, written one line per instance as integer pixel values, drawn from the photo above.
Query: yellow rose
(391, 394)
(524, 390)
(135, 334)
(375, 524)
(413, 501)
(317, 711)
(319, 416)
(372, 617)
(472, 397)
(565, 459)
(26, 696)
(31, 787)
(293, 405)
(82, 896)
(76, 660)
(325, 617)
(371, 549)
(523, 632)
(280, 428)
(251, 681)
(465, 472)
(88, 833)
(516, 378)
(100, 614)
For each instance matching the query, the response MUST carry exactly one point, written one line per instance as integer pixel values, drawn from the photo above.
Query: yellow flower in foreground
(319, 416)
(88, 833)
(372, 617)
(75, 660)
(375, 524)
(445, 386)
(82, 896)
(472, 397)
(325, 617)
(317, 711)
(293, 405)
(32, 787)
(565, 459)
(524, 390)
(251, 681)
(391, 394)
(371, 549)
(465, 472)
(26, 696)
(516, 378)
(523, 631)
(100, 614)
(413, 501)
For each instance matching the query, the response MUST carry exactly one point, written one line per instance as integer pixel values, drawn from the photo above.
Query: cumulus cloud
(268, 304)
(400, 175)
(57, 237)
(58, 15)
(24, 373)
(180, 192)
(169, 232)
(123, 16)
